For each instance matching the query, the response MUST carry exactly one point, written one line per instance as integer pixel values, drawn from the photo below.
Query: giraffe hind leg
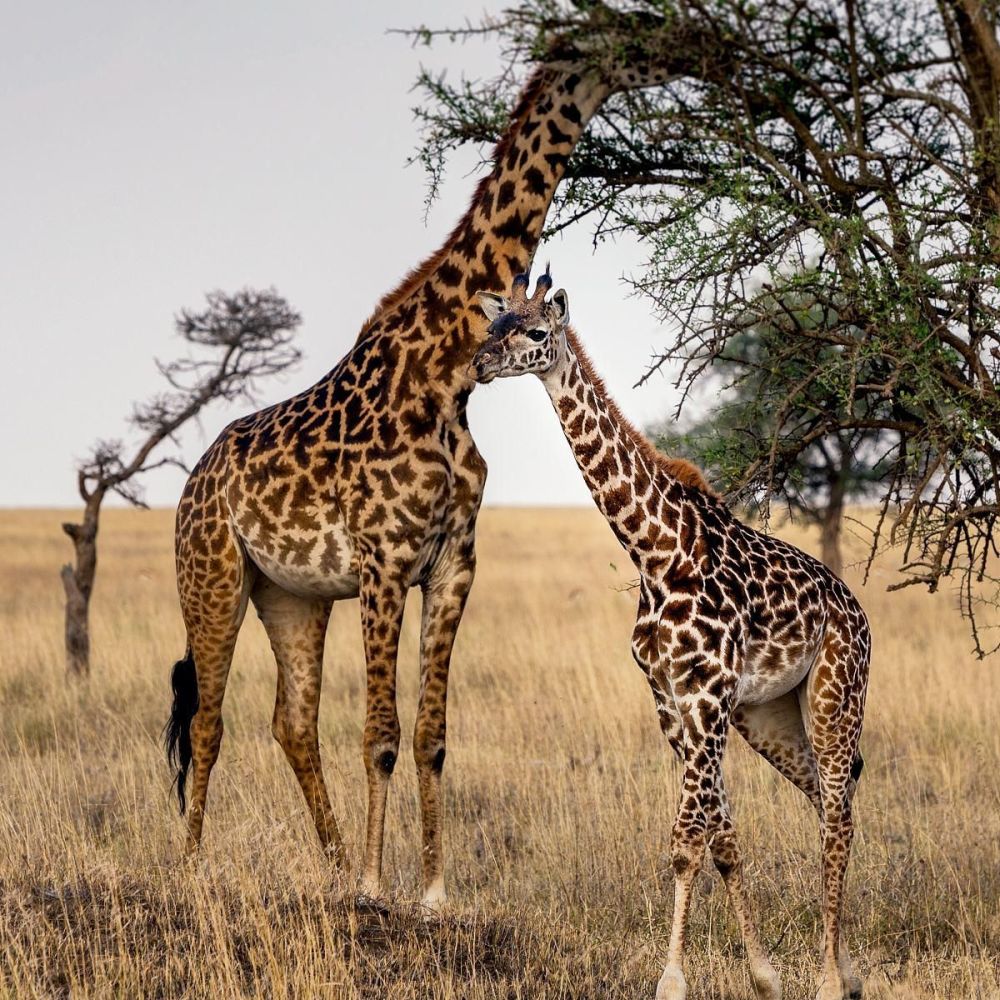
(296, 628)
(213, 595)
(834, 730)
(777, 731)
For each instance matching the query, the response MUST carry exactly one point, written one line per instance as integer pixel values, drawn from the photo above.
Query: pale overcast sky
(155, 151)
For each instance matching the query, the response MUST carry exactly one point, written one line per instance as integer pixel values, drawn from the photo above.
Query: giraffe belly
(769, 673)
(309, 563)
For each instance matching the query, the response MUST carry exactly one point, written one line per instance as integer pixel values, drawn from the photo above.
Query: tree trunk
(831, 518)
(979, 52)
(78, 583)
(77, 626)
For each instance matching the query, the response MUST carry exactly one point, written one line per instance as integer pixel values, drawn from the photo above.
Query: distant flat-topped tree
(241, 338)
(732, 426)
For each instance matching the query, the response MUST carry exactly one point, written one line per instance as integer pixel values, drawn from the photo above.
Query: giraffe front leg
(699, 816)
(382, 601)
(687, 851)
(701, 686)
(444, 602)
(729, 863)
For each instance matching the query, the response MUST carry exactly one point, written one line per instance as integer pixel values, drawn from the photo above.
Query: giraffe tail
(857, 767)
(177, 731)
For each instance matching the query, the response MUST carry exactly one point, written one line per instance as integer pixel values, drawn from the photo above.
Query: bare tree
(243, 337)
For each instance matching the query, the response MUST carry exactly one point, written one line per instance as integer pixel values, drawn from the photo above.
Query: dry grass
(559, 801)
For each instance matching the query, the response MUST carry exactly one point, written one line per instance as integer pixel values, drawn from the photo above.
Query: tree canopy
(845, 156)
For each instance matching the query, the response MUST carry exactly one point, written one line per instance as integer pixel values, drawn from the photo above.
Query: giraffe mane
(419, 274)
(685, 472)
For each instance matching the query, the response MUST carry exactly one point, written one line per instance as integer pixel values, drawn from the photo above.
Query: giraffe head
(525, 334)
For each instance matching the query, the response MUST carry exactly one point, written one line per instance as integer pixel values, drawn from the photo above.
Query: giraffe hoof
(767, 983)
(852, 988)
(370, 904)
(671, 985)
(433, 906)
(369, 898)
(435, 898)
(830, 990)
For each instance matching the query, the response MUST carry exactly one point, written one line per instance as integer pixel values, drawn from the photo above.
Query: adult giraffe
(366, 484)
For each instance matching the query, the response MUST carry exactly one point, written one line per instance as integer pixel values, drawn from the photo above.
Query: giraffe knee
(726, 855)
(429, 746)
(294, 736)
(380, 759)
(429, 754)
(687, 848)
(380, 745)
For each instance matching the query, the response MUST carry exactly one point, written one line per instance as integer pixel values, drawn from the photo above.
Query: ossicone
(543, 285)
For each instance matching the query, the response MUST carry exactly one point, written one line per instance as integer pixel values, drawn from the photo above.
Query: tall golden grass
(559, 791)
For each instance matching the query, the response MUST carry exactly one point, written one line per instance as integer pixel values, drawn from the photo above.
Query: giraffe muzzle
(486, 364)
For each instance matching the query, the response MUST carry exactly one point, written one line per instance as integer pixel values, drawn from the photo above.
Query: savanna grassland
(559, 796)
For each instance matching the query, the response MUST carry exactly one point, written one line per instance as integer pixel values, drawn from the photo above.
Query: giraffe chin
(484, 377)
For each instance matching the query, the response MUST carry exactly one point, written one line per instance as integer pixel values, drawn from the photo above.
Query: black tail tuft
(177, 731)
(857, 767)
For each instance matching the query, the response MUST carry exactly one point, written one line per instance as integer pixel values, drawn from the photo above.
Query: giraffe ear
(492, 304)
(560, 306)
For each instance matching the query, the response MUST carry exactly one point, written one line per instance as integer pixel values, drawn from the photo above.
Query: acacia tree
(239, 339)
(846, 154)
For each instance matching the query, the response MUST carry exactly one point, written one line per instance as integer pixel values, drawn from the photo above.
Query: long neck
(640, 495)
(435, 308)
(498, 237)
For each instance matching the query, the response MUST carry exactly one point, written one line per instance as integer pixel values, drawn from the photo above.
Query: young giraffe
(366, 484)
(734, 628)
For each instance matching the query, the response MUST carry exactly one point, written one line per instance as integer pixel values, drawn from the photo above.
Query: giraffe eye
(537, 335)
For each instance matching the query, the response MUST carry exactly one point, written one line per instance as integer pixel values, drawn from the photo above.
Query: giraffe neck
(434, 311)
(625, 474)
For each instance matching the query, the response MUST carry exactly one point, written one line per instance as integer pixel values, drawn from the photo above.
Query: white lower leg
(849, 978)
(371, 874)
(672, 985)
(836, 848)
(434, 895)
